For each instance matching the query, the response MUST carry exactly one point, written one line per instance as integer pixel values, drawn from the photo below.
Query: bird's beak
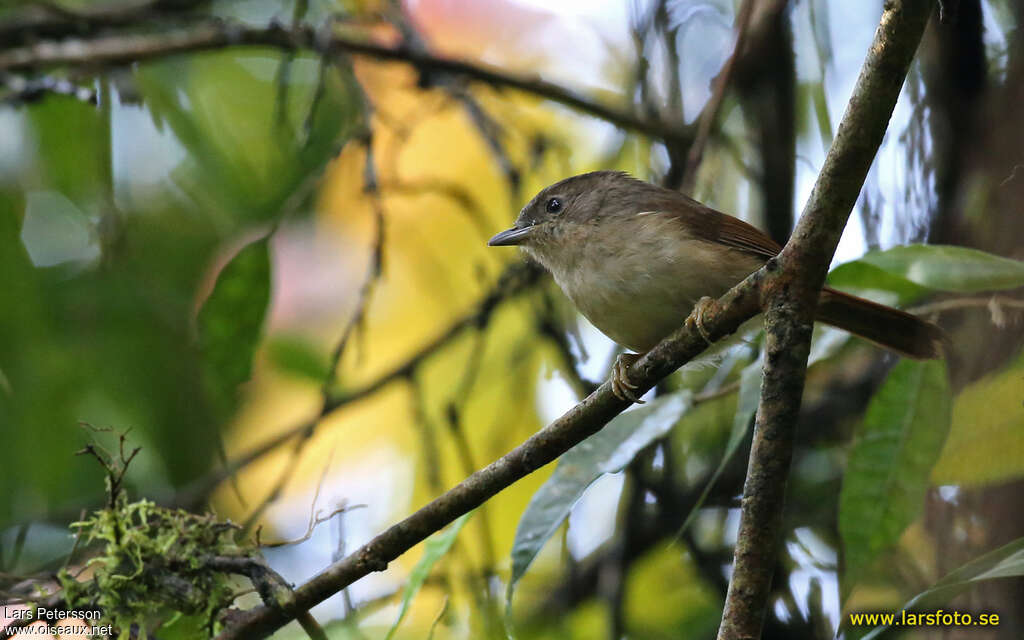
(509, 237)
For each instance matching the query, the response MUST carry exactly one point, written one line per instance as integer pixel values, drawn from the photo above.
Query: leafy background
(226, 239)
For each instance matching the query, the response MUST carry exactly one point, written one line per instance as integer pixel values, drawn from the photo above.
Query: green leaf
(607, 451)
(299, 357)
(231, 321)
(68, 138)
(985, 438)
(867, 280)
(949, 268)
(746, 407)
(182, 627)
(436, 547)
(244, 161)
(1004, 562)
(889, 466)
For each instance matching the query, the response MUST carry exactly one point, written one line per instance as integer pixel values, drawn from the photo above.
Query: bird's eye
(554, 205)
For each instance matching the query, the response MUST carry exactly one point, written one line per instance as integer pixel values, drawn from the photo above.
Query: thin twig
(373, 273)
(52, 19)
(466, 460)
(710, 111)
(488, 129)
(492, 134)
(228, 470)
(548, 326)
(956, 304)
(438, 618)
(125, 48)
(428, 436)
(21, 90)
(516, 280)
(452, 190)
(375, 266)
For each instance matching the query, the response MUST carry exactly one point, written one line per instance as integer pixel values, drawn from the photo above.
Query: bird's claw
(696, 317)
(622, 388)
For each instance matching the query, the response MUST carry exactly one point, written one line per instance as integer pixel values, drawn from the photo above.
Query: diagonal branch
(791, 299)
(580, 422)
(125, 48)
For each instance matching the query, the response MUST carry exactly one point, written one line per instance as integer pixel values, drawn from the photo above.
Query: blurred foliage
(1004, 562)
(434, 549)
(109, 340)
(195, 258)
(230, 324)
(986, 441)
(887, 472)
(607, 451)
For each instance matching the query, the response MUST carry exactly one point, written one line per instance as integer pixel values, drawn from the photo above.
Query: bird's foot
(696, 317)
(622, 388)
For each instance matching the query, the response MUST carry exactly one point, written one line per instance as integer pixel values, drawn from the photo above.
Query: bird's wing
(735, 233)
(714, 226)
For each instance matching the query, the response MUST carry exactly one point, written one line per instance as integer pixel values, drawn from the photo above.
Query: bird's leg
(696, 317)
(622, 388)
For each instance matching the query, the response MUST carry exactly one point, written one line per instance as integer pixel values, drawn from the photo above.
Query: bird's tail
(893, 329)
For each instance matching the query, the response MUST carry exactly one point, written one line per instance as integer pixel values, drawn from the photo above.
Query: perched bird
(635, 259)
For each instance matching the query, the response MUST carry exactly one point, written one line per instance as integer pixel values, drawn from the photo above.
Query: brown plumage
(635, 258)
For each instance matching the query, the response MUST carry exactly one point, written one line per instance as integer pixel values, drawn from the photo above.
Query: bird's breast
(638, 284)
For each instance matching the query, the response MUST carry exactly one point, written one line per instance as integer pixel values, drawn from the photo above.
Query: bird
(636, 258)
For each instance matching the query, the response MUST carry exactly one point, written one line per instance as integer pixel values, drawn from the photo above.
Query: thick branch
(791, 295)
(126, 48)
(53, 20)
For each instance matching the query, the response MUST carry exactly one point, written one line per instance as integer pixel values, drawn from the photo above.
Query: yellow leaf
(986, 440)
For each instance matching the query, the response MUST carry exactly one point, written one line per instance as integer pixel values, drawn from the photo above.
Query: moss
(153, 567)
